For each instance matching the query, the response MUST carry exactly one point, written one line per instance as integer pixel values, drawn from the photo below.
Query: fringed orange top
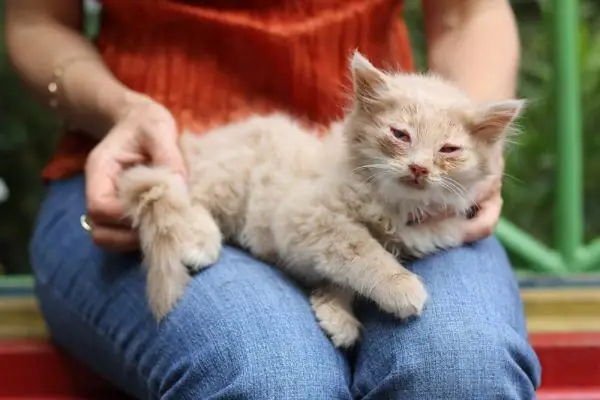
(213, 61)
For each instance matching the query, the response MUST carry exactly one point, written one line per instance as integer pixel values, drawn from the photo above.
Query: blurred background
(28, 134)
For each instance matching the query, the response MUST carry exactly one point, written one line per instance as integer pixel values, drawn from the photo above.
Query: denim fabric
(245, 331)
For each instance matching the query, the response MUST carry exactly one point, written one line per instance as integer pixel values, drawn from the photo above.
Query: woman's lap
(243, 330)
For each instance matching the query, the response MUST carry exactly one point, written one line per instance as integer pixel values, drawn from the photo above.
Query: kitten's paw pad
(407, 296)
(340, 325)
(203, 254)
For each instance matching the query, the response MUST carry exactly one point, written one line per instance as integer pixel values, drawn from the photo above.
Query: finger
(114, 238)
(107, 211)
(483, 224)
(103, 206)
(108, 221)
(166, 153)
(492, 188)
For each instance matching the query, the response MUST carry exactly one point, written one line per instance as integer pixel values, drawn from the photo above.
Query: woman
(243, 330)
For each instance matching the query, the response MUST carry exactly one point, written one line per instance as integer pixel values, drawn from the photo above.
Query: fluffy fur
(332, 212)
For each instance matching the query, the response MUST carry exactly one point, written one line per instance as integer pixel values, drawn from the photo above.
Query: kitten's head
(420, 137)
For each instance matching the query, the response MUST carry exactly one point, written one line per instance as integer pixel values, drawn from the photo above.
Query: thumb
(166, 153)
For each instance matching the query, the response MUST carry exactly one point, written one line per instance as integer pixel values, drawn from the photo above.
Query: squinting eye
(400, 135)
(450, 149)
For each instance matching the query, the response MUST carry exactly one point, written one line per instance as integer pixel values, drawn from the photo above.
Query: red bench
(35, 370)
(570, 365)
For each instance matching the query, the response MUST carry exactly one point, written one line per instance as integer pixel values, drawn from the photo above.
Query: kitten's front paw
(404, 295)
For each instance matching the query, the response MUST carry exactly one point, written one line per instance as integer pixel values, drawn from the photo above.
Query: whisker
(456, 184)
(455, 188)
(513, 178)
(371, 166)
(450, 188)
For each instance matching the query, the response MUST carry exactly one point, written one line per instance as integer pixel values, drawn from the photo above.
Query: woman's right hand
(144, 133)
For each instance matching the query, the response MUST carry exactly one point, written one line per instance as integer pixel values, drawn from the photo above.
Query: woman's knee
(483, 361)
(469, 343)
(258, 341)
(241, 330)
(275, 370)
(225, 339)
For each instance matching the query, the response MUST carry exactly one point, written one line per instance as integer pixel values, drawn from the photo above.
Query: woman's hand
(489, 205)
(489, 208)
(145, 133)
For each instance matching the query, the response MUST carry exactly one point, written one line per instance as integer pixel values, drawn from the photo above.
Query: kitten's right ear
(368, 81)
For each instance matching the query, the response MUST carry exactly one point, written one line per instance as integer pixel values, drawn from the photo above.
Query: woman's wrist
(88, 97)
(118, 101)
(113, 103)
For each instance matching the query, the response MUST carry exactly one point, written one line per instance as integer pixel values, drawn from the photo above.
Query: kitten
(335, 212)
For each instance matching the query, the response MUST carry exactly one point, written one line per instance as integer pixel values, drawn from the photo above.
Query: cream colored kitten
(334, 213)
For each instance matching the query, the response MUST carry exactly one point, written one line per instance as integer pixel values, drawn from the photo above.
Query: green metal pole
(537, 256)
(569, 209)
(589, 257)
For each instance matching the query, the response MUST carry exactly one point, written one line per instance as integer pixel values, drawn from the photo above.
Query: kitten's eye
(400, 134)
(450, 149)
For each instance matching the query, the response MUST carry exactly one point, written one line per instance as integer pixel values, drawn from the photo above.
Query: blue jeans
(245, 331)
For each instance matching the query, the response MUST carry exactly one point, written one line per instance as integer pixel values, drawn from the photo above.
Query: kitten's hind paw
(198, 258)
(404, 295)
(205, 248)
(336, 321)
(342, 332)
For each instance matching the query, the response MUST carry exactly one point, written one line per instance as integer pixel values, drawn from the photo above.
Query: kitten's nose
(418, 171)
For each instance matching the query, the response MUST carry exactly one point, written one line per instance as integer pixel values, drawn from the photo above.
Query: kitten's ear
(368, 81)
(493, 121)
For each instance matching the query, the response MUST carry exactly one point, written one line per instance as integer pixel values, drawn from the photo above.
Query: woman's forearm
(47, 49)
(476, 44)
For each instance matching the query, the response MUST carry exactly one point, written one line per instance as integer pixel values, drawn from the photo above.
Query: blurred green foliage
(28, 134)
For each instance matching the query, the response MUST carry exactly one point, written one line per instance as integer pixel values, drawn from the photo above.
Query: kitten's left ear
(493, 121)
(368, 81)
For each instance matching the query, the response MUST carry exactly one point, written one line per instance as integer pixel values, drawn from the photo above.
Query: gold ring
(85, 222)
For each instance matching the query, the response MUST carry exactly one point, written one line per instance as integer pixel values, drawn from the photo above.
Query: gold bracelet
(57, 74)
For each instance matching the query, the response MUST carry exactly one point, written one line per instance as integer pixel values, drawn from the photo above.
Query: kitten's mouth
(413, 182)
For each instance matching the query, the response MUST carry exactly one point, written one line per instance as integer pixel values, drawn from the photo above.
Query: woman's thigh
(469, 343)
(242, 330)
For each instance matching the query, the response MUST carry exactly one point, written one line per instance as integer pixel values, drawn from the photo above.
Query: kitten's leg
(358, 261)
(333, 308)
(344, 252)
(431, 237)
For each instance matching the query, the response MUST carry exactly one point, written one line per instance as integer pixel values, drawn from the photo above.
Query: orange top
(213, 61)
